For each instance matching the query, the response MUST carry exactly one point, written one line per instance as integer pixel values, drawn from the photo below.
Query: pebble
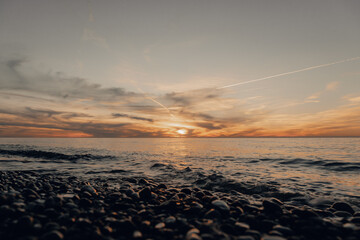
(137, 234)
(145, 194)
(25, 223)
(89, 189)
(212, 214)
(271, 207)
(170, 220)
(245, 237)
(282, 229)
(343, 214)
(242, 227)
(342, 206)
(221, 205)
(267, 237)
(53, 235)
(160, 225)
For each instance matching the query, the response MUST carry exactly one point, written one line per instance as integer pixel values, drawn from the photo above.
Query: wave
(49, 155)
(333, 165)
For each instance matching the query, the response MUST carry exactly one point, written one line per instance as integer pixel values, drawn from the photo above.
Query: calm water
(319, 166)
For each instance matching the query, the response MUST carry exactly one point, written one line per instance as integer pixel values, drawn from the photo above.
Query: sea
(315, 167)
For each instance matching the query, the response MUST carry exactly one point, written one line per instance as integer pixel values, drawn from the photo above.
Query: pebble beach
(52, 206)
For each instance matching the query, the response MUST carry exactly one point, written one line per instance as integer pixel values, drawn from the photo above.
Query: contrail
(157, 102)
(292, 72)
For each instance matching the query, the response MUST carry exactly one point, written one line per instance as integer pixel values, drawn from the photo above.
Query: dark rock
(343, 214)
(186, 191)
(137, 234)
(6, 212)
(272, 207)
(265, 225)
(85, 202)
(143, 181)
(160, 225)
(275, 233)
(160, 186)
(283, 230)
(267, 237)
(193, 234)
(212, 214)
(53, 235)
(342, 206)
(170, 221)
(245, 237)
(89, 189)
(250, 209)
(304, 213)
(242, 227)
(355, 220)
(49, 226)
(199, 195)
(145, 194)
(255, 234)
(30, 194)
(25, 223)
(221, 206)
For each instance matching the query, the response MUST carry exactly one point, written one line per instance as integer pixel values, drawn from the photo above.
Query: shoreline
(52, 206)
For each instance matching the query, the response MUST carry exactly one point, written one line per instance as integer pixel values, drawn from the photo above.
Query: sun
(181, 131)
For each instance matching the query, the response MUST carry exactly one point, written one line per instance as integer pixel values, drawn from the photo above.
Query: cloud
(121, 115)
(210, 126)
(187, 98)
(38, 104)
(43, 114)
(13, 78)
(332, 86)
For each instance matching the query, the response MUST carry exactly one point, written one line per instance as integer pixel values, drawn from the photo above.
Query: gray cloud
(121, 115)
(43, 114)
(57, 85)
(188, 98)
(210, 126)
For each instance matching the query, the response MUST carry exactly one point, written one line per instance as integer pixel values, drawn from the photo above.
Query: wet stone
(160, 225)
(267, 237)
(355, 220)
(342, 214)
(53, 235)
(271, 207)
(253, 233)
(342, 206)
(25, 223)
(212, 214)
(170, 220)
(160, 186)
(276, 233)
(304, 213)
(89, 189)
(186, 191)
(143, 181)
(193, 234)
(137, 234)
(245, 237)
(221, 205)
(242, 227)
(283, 230)
(145, 194)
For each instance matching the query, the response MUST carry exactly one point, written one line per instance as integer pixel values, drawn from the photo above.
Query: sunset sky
(156, 68)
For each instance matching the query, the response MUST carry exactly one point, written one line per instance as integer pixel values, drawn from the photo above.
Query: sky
(163, 68)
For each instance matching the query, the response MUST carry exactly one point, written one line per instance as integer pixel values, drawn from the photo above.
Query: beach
(51, 206)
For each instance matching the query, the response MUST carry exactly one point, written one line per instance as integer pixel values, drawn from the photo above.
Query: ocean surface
(325, 167)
